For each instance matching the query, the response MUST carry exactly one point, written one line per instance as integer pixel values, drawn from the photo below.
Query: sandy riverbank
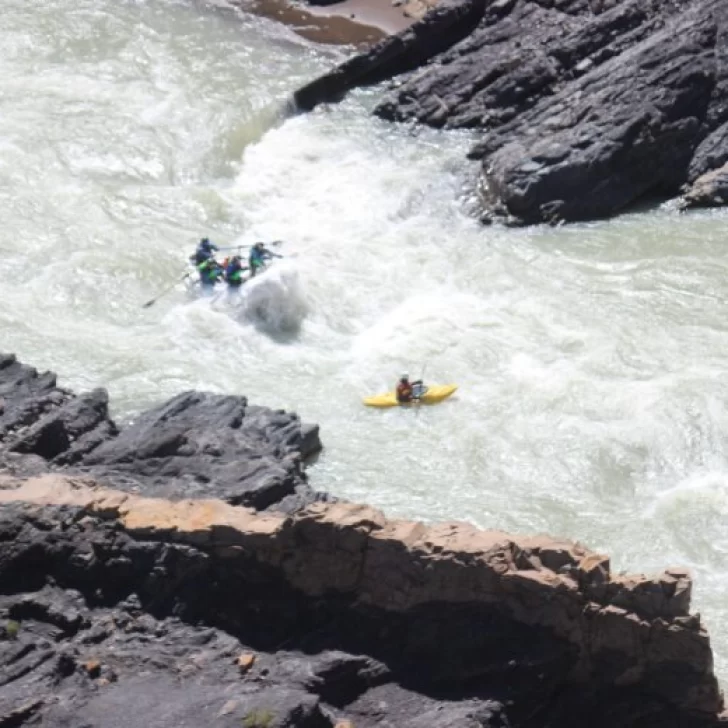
(350, 22)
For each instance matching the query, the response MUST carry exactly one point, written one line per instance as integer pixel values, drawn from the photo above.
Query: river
(591, 358)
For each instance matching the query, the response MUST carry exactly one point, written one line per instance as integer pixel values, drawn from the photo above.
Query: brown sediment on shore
(351, 22)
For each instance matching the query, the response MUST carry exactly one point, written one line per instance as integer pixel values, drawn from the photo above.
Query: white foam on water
(273, 301)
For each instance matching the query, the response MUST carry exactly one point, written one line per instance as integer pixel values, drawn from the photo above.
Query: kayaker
(406, 390)
(210, 272)
(234, 272)
(258, 256)
(205, 250)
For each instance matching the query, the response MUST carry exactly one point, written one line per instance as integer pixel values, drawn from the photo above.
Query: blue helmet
(205, 243)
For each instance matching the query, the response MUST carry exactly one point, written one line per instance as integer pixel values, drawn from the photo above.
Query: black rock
(25, 396)
(69, 431)
(196, 445)
(711, 153)
(202, 445)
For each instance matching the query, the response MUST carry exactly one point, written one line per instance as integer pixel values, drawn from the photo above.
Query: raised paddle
(249, 245)
(152, 301)
(421, 390)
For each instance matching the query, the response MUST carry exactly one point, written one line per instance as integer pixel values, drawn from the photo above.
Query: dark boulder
(610, 138)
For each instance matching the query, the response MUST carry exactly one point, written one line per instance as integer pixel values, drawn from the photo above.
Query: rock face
(130, 597)
(583, 106)
(505, 631)
(196, 444)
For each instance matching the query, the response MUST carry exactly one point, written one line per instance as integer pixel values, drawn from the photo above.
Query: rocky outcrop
(583, 107)
(533, 631)
(196, 444)
(179, 571)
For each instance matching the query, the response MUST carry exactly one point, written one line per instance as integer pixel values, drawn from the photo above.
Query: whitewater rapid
(591, 359)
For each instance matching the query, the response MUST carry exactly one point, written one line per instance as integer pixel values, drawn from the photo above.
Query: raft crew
(406, 390)
(259, 254)
(205, 250)
(233, 271)
(210, 271)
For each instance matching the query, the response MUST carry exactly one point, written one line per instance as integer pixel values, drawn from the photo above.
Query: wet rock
(583, 108)
(382, 706)
(19, 714)
(67, 612)
(141, 670)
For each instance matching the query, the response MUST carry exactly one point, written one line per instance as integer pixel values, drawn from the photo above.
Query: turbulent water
(591, 359)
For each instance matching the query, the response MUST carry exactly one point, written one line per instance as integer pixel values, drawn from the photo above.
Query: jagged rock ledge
(196, 444)
(180, 571)
(534, 631)
(583, 107)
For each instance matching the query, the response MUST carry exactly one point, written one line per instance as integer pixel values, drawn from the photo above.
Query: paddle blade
(149, 303)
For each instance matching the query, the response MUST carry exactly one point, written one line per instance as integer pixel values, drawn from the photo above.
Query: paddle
(421, 389)
(152, 301)
(240, 247)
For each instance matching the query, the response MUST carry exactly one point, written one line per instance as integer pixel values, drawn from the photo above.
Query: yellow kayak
(435, 393)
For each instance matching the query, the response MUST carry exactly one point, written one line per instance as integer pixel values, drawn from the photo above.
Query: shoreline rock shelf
(125, 601)
(584, 108)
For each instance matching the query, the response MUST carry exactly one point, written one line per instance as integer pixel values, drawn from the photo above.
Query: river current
(591, 359)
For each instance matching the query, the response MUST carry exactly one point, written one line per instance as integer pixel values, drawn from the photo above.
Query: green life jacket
(209, 271)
